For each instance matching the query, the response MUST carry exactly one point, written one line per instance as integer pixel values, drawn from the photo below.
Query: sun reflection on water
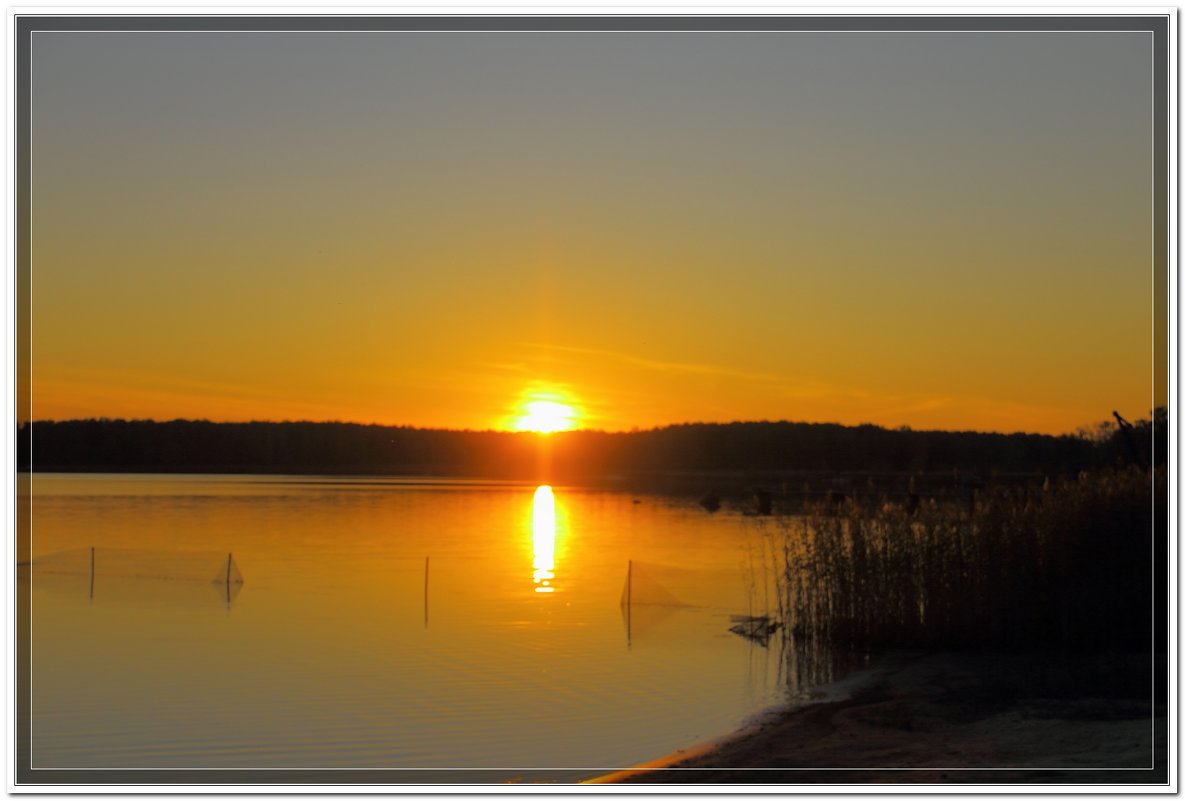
(543, 522)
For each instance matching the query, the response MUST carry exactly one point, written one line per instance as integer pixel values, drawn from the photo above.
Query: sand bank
(949, 718)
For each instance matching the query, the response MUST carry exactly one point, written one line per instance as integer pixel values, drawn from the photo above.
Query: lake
(462, 627)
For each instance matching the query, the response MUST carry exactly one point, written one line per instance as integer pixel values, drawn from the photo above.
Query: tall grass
(1068, 565)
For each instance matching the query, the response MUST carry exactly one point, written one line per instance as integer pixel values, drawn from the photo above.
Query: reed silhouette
(1075, 565)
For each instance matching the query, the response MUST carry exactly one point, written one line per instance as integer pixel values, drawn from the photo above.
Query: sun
(546, 417)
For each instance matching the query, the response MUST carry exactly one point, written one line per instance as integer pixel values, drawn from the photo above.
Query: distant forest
(758, 448)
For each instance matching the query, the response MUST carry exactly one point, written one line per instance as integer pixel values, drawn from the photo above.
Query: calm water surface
(385, 623)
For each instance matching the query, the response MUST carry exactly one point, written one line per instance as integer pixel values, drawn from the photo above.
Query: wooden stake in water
(426, 592)
(92, 596)
(229, 561)
(629, 600)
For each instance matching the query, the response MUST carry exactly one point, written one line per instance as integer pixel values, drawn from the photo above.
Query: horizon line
(1080, 433)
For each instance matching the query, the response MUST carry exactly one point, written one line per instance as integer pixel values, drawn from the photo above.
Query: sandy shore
(949, 718)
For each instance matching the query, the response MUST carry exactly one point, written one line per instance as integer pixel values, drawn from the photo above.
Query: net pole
(426, 592)
(92, 592)
(229, 560)
(629, 600)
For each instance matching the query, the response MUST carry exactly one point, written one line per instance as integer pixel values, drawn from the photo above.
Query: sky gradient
(940, 230)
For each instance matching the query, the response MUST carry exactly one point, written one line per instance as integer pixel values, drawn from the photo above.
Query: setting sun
(546, 417)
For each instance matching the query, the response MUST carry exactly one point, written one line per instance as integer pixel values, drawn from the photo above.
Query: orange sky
(934, 230)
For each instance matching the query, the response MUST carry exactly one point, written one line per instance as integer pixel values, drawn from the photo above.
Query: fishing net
(650, 584)
(148, 574)
(651, 595)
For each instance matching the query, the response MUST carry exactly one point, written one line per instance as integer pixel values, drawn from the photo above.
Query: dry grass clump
(1069, 565)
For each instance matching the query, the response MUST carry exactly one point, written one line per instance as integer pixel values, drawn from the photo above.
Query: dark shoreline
(749, 447)
(949, 718)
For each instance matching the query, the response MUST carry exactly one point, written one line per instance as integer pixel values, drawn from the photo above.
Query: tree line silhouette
(755, 447)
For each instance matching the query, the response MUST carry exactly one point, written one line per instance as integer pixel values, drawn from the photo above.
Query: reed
(1070, 565)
